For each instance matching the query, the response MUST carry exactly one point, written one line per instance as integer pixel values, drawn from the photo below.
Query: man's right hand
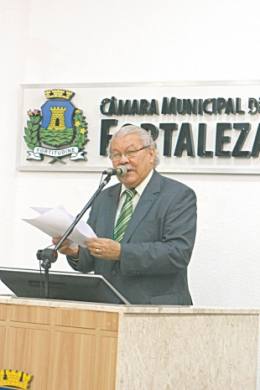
(67, 248)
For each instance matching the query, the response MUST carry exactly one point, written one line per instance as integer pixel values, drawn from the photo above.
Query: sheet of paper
(55, 221)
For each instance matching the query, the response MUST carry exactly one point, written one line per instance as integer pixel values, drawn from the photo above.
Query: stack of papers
(55, 221)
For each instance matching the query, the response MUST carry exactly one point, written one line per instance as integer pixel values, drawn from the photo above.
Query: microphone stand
(47, 256)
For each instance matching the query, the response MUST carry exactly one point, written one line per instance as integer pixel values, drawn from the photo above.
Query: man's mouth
(129, 169)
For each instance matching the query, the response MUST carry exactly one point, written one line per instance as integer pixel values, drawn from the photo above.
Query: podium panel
(61, 347)
(76, 345)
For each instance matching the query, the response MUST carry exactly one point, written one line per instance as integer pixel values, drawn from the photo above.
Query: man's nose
(124, 159)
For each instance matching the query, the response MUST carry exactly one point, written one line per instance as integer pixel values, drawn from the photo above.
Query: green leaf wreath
(81, 129)
(31, 136)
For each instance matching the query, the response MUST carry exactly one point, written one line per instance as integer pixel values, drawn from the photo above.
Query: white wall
(140, 40)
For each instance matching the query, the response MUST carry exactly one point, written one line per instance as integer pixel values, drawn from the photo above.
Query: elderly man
(145, 225)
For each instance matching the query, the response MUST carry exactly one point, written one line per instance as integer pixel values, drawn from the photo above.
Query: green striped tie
(125, 215)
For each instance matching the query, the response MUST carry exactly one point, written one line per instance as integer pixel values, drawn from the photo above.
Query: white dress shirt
(139, 190)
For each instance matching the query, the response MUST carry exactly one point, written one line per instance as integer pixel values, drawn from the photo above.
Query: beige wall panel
(29, 350)
(3, 345)
(73, 361)
(106, 362)
(186, 352)
(3, 312)
(75, 318)
(30, 314)
(87, 319)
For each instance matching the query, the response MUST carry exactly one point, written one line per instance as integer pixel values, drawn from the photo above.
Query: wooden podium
(84, 346)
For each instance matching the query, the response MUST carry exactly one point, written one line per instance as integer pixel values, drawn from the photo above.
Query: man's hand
(104, 248)
(66, 247)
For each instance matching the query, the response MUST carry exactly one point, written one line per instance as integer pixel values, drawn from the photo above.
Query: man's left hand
(104, 248)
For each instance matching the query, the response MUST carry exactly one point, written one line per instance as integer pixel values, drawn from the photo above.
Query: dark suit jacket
(156, 248)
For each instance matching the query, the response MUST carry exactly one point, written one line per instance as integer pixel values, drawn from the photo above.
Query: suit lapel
(146, 201)
(113, 199)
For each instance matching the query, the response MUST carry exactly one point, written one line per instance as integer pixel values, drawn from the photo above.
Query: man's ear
(152, 153)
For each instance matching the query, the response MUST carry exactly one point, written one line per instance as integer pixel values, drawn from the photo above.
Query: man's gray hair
(144, 135)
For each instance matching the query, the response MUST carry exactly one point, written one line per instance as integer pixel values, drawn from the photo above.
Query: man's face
(139, 163)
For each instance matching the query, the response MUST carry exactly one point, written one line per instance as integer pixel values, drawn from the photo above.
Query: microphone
(121, 170)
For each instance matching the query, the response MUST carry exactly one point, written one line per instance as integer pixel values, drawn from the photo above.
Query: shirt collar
(141, 187)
